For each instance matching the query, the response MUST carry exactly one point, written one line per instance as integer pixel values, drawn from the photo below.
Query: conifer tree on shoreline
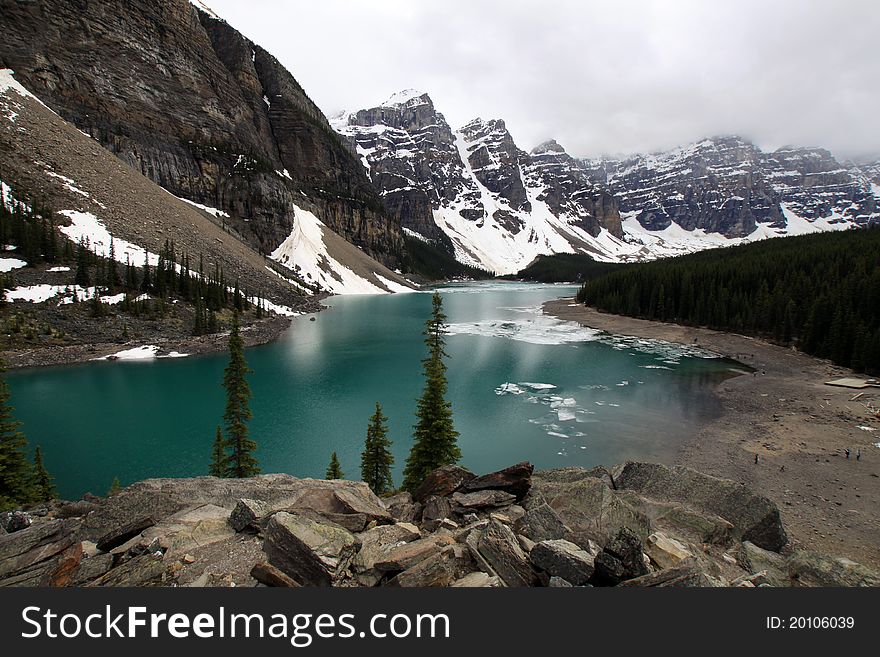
(45, 488)
(17, 481)
(377, 459)
(334, 470)
(217, 467)
(240, 461)
(435, 440)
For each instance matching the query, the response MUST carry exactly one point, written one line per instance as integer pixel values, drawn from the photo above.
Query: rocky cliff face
(726, 185)
(638, 525)
(199, 109)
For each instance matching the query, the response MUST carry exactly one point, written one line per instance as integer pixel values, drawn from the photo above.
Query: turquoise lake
(523, 386)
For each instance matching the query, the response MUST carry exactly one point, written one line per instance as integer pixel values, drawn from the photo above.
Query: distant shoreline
(258, 333)
(798, 427)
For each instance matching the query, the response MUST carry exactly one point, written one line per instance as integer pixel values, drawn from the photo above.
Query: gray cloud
(600, 77)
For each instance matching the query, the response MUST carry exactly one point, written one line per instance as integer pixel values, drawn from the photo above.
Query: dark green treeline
(820, 293)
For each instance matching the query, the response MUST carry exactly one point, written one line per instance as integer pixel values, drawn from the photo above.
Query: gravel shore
(798, 426)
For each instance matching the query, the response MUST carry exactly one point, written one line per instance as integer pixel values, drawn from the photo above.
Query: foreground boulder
(443, 482)
(560, 558)
(516, 480)
(560, 528)
(497, 546)
(308, 548)
(754, 517)
(622, 559)
(807, 568)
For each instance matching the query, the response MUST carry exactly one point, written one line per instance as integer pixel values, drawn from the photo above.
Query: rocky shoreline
(798, 427)
(635, 525)
(256, 333)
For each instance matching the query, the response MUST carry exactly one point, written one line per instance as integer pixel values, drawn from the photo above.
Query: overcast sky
(602, 77)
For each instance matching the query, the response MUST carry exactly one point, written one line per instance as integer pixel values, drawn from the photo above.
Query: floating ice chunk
(622, 384)
(566, 414)
(544, 331)
(655, 367)
(556, 435)
(509, 389)
(538, 386)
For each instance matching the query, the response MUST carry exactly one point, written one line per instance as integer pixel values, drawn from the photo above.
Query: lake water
(523, 387)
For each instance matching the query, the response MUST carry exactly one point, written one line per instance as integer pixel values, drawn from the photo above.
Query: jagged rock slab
(361, 500)
(436, 510)
(376, 545)
(754, 517)
(145, 570)
(807, 568)
(35, 548)
(683, 577)
(591, 510)
(478, 580)
(620, 560)
(561, 558)
(267, 574)
(498, 546)
(756, 560)
(515, 480)
(666, 552)
(440, 569)
(483, 499)
(120, 535)
(541, 523)
(309, 548)
(443, 482)
(405, 556)
(248, 513)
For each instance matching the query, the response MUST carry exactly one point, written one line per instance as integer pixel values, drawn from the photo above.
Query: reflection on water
(523, 387)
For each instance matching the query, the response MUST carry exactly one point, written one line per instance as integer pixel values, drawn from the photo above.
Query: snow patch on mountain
(305, 253)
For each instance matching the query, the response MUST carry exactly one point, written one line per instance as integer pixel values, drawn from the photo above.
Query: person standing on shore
(859, 454)
(846, 451)
(756, 458)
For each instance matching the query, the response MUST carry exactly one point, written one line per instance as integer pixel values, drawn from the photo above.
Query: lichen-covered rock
(561, 558)
(498, 546)
(442, 482)
(808, 568)
(541, 523)
(621, 559)
(592, 510)
(754, 517)
(666, 552)
(516, 480)
(308, 547)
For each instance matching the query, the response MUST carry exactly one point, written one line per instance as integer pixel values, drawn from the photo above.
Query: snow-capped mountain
(474, 191)
(495, 206)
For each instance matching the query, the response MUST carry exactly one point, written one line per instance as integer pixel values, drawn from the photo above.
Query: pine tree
(16, 473)
(377, 459)
(45, 489)
(334, 470)
(435, 441)
(81, 277)
(115, 487)
(218, 457)
(240, 461)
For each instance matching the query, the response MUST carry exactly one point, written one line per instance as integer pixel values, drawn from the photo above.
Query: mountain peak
(409, 97)
(549, 146)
